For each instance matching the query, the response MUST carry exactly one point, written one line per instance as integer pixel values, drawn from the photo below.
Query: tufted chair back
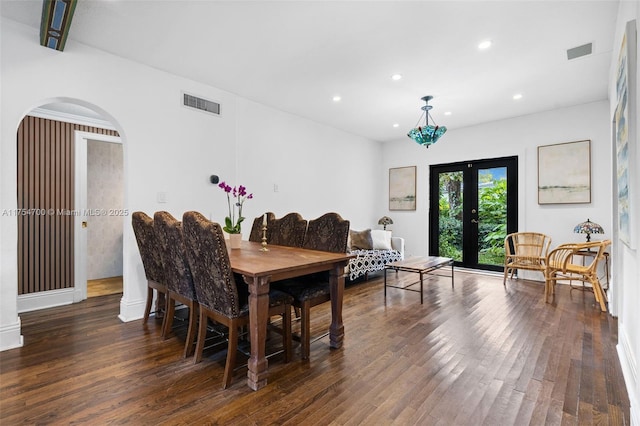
(329, 232)
(289, 231)
(148, 245)
(178, 275)
(209, 261)
(256, 229)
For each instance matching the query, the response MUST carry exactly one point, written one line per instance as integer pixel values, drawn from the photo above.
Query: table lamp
(384, 221)
(588, 228)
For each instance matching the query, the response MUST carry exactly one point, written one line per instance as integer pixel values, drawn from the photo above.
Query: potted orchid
(233, 222)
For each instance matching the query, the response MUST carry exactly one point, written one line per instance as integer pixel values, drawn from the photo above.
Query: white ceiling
(296, 55)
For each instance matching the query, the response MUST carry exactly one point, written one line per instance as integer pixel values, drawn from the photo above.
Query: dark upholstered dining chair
(256, 228)
(217, 292)
(178, 276)
(326, 233)
(288, 231)
(143, 228)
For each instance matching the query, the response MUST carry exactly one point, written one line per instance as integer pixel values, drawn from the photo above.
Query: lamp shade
(384, 221)
(588, 228)
(427, 135)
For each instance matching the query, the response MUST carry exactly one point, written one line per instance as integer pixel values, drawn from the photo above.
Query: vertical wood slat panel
(30, 185)
(46, 178)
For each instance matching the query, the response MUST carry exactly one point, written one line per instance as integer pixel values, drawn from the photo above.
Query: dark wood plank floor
(476, 354)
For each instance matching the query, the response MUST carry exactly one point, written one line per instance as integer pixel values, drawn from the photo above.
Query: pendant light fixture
(428, 134)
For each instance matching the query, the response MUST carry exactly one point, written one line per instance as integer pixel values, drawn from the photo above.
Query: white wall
(317, 169)
(172, 149)
(626, 297)
(514, 137)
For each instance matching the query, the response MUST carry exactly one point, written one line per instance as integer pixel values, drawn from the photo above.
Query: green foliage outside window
(492, 217)
(492, 209)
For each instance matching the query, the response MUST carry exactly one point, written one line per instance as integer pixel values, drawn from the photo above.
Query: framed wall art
(564, 173)
(624, 133)
(402, 188)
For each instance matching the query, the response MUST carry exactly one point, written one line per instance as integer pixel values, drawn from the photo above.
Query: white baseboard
(45, 299)
(131, 310)
(630, 373)
(10, 336)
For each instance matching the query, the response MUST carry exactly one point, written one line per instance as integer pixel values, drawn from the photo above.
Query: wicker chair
(327, 233)
(217, 292)
(525, 250)
(561, 266)
(179, 280)
(151, 260)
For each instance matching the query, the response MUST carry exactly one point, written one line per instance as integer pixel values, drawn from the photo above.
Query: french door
(473, 206)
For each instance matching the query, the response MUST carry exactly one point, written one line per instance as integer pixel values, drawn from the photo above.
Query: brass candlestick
(264, 238)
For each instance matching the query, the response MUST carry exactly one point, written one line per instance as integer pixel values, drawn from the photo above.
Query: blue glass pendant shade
(427, 135)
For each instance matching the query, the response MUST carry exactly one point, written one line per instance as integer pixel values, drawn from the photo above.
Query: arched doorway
(51, 190)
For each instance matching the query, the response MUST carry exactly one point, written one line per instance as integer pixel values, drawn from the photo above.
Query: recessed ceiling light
(447, 113)
(396, 77)
(337, 98)
(396, 125)
(484, 45)
(517, 96)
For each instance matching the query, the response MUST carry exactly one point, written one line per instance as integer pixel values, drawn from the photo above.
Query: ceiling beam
(55, 22)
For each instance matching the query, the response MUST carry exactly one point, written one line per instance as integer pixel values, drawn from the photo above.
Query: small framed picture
(402, 188)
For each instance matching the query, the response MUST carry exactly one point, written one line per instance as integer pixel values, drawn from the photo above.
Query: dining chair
(329, 232)
(561, 265)
(178, 276)
(217, 291)
(288, 231)
(143, 228)
(525, 250)
(258, 223)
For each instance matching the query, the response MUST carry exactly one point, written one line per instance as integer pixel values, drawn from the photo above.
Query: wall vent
(201, 104)
(579, 51)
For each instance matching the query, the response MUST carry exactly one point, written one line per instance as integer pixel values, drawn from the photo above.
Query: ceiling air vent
(201, 104)
(579, 51)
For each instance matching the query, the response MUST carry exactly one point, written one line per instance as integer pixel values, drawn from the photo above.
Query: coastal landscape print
(402, 188)
(623, 143)
(564, 173)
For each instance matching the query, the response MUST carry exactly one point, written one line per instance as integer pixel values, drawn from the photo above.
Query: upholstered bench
(373, 249)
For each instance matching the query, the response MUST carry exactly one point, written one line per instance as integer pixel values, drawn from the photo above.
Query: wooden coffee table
(420, 265)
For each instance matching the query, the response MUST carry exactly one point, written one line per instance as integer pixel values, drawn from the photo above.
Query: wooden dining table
(259, 268)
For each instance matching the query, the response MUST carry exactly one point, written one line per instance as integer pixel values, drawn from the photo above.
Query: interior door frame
(80, 203)
(470, 180)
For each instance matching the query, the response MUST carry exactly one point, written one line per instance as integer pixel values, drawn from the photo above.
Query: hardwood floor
(104, 286)
(479, 353)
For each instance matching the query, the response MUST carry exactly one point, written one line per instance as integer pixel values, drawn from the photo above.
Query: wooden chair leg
(598, 293)
(305, 330)
(286, 334)
(202, 335)
(506, 272)
(231, 355)
(191, 332)
(147, 309)
(168, 316)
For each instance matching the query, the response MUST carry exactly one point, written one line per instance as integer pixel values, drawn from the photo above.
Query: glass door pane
(492, 215)
(450, 215)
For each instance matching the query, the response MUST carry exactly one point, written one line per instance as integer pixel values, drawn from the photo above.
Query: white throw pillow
(381, 239)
